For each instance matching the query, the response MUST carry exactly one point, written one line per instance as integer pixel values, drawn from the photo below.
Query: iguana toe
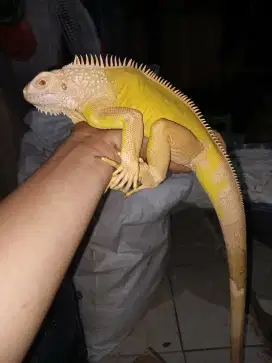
(110, 162)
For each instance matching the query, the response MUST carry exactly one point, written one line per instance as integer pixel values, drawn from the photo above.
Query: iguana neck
(91, 108)
(75, 116)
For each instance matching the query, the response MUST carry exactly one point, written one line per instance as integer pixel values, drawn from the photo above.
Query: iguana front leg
(127, 173)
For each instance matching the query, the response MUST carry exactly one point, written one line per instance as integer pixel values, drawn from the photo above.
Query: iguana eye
(63, 86)
(42, 82)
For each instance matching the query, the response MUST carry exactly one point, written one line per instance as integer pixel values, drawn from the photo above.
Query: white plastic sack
(125, 259)
(255, 165)
(125, 262)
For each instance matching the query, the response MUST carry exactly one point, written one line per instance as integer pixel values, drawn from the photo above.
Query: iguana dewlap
(114, 95)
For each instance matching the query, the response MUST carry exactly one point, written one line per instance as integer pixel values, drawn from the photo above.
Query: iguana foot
(148, 177)
(111, 163)
(125, 176)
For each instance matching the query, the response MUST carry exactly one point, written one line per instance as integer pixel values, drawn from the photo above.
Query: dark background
(218, 52)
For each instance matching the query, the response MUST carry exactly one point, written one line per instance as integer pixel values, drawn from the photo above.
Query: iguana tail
(218, 179)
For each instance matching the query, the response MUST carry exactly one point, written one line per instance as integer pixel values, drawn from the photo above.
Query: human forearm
(41, 225)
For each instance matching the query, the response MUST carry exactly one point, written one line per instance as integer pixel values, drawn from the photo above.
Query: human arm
(41, 225)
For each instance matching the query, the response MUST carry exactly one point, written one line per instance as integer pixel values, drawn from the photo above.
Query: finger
(135, 182)
(118, 171)
(117, 180)
(135, 190)
(110, 162)
(127, 187)
(111, 181)
(120, 185)
(108, 187)
(130, 183)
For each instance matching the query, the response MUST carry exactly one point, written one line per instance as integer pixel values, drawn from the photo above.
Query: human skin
(41, 225)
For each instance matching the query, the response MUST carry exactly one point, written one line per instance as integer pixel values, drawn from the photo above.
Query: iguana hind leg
(168, 141)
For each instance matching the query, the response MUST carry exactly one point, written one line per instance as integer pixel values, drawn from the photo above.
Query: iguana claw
(122, 179)
(126, 175)
(110, 162)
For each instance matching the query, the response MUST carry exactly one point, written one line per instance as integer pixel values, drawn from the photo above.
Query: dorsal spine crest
(115, 62)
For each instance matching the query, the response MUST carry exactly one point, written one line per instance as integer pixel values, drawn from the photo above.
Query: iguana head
(67, 90)
(53, 92)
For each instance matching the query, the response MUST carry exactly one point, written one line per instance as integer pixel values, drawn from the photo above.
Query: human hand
(99, 142)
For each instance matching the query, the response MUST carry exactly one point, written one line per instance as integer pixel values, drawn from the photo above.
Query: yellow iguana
(111, 94)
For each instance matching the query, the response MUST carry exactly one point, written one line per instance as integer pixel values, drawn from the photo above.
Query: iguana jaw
(47, 110)
(74, 115)
(70, 109)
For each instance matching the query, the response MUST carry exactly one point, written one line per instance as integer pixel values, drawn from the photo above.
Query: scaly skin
(112, 95)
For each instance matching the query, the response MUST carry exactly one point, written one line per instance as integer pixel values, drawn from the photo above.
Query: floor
(188, 318)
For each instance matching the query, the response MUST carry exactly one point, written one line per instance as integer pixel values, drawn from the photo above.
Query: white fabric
(256, 168)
